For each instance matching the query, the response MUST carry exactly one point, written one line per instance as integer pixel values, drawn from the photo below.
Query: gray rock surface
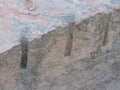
(38, 17)
(92, 61)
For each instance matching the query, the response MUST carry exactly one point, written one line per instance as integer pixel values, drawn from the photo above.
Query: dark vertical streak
(69, 41)
(106, 32)
(69, 45)
(24, 52)
(71, 19)
(105, 36)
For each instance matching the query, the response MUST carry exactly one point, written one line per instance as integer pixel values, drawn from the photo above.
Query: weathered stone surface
(93, 62)
(41, 16)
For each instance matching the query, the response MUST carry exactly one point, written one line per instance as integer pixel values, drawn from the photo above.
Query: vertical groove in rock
(69, 41)
(23, 77)
(69, 44)
(24, 52)
(106, 31)
(91, 67)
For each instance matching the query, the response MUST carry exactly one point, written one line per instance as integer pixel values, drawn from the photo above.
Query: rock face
(38, 17)
(83, 56)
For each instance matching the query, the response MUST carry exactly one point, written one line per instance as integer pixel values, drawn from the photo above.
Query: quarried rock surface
(79, 56)
(38, 17)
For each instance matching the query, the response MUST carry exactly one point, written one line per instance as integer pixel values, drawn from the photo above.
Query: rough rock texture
(41, 16)
(83, 56)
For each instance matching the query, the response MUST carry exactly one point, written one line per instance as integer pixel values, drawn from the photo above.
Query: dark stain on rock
(24, 52)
